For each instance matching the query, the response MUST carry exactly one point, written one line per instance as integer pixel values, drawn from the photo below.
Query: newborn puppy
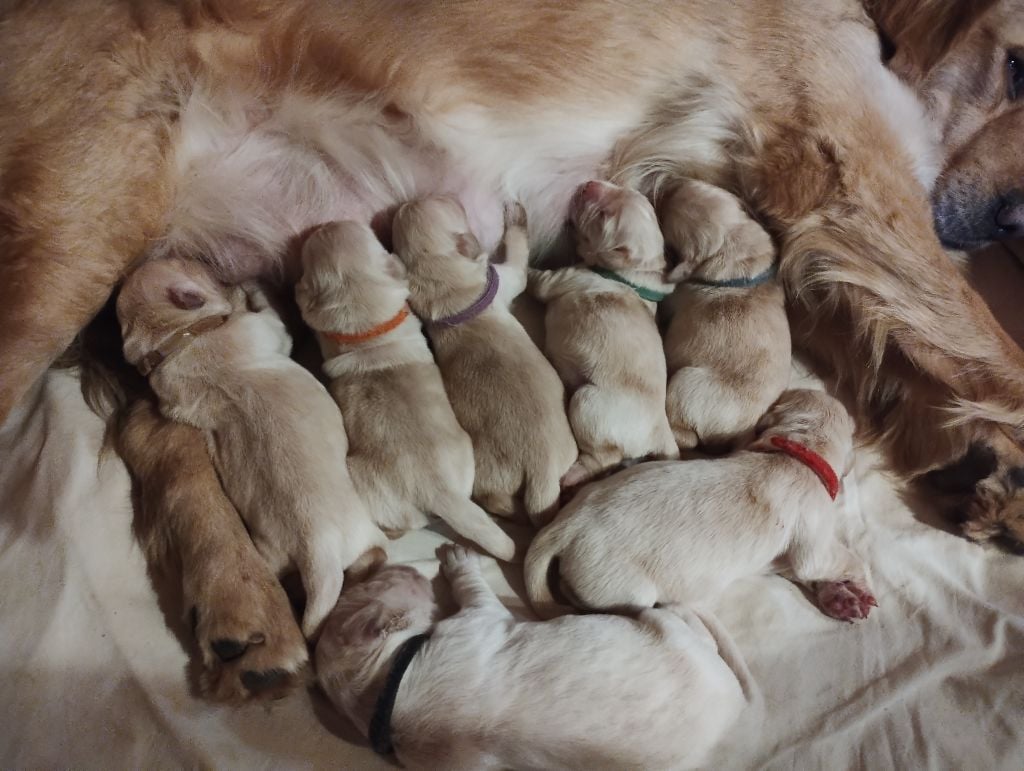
(481, 690)
(681, 532)
(601, 334)
(275, 434)
(408, 455)
(728, 343)
(504, 392)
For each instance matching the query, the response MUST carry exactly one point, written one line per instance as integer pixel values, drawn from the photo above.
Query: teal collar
(653, 295)
(742, 282)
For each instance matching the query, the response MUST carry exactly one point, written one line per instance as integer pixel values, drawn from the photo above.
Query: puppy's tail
(540, 572)
(470, 521)
(732, 656)
(323, 575)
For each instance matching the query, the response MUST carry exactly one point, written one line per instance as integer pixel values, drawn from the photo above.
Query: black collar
(380, 723)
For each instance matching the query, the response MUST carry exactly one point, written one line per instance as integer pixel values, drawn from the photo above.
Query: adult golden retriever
(225, 129)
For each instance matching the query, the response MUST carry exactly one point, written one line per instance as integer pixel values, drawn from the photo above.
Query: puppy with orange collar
(408, 455)
(694, 527)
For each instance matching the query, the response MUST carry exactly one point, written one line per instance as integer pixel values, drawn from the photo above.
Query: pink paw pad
(845, 600)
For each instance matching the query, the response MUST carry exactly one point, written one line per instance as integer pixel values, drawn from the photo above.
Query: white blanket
(93, 676)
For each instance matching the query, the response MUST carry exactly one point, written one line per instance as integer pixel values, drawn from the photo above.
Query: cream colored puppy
(680, 532)
(601, 334)
(408, 455)
(480, 690)
(275, 434)
(504, 392)
(728, 343)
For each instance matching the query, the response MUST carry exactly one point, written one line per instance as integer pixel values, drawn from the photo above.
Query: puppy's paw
(456, 557)
(515, 215)
(250, 644)
(845, 600)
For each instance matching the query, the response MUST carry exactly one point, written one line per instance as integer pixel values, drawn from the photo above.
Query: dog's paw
(454, 557)
(515, 215)
(995, 512)
(845, 600)
(249, 641)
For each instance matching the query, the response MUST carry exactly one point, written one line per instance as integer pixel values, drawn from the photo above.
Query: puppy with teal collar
(728, 343)
(601, 334)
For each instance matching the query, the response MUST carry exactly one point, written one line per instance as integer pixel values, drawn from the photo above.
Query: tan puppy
(601, 334)
(275, 434)
(680, 532)
(408, 455)
(728, 343)
(530, 695)
(504, 392)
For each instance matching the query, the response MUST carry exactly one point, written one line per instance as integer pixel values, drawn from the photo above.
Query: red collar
(812, 460)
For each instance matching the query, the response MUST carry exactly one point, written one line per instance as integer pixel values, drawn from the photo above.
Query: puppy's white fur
(530, 695)
(728, 349)
(275, 434)
(504, 392)
(408, 455)
(680, 532)
(601, 335)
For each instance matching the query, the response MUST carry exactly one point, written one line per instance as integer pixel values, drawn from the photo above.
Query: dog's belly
(251, 182)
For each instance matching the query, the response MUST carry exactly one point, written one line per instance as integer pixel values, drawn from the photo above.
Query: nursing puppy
(504, 392)
(408, 455)
(728, 344)
(601, 334)
(276, 437)
(681, 532)
(531, 694)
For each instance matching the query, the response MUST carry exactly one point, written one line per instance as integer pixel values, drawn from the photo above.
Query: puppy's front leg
(517, 254)
(461, 567)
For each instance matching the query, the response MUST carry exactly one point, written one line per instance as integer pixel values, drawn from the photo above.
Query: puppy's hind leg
(588, 410)
(835, 576)
(470, 521)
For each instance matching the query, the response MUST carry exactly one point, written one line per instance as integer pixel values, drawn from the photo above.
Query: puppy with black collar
(482, 690)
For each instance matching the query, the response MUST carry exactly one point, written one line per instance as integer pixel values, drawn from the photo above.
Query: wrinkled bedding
(93, 674)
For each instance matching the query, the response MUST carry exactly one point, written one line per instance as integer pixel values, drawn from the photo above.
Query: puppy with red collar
(694, 527)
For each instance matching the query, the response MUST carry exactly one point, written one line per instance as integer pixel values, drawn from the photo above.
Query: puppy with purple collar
(482, 690)
(504, 392)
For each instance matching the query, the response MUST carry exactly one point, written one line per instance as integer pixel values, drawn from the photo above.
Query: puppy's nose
(591, 191)
(1010, 216)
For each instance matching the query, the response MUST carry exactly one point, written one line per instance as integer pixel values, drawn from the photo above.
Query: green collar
(652, 295)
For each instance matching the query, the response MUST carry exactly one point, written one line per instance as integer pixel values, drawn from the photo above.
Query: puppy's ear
(919, 33)
(469, 247)
(186, 295)
(373, 622)
(679, 272)
(394, 267)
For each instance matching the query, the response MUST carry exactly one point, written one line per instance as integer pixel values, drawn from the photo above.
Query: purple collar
(482, 303)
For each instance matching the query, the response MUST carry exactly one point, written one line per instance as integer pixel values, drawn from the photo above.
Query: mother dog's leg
(86, 107)
(249, 641)
(858, 246)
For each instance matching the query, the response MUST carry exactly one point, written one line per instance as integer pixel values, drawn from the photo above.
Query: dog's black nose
(229, 650)
(1010, 215)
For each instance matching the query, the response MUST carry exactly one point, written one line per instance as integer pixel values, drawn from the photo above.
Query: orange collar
(812, 460)
(361, 337)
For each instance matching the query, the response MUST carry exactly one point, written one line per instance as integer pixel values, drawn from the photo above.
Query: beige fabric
(93, 676)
